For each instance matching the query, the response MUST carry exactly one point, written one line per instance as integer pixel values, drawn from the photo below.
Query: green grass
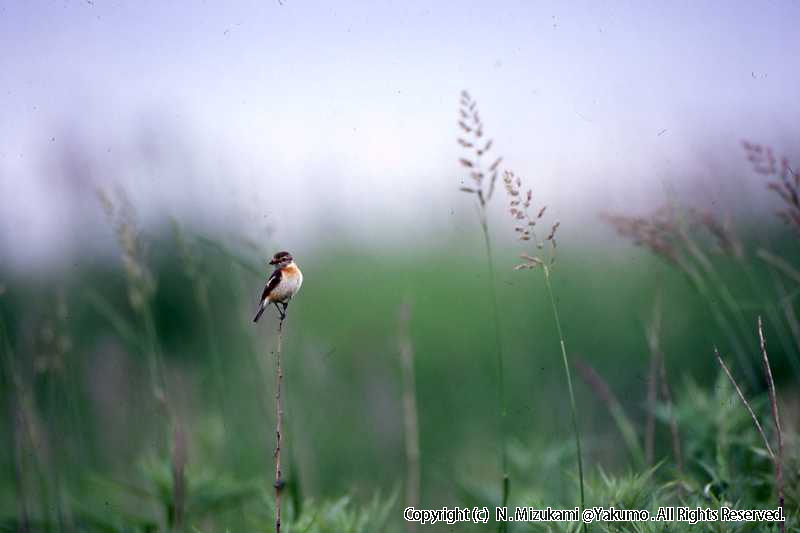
(105, 462)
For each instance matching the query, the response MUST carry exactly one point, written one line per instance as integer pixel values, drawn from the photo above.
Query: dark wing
(272, 282)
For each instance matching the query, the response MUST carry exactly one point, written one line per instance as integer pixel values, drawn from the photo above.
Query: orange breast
(291, 279)
(290, 271)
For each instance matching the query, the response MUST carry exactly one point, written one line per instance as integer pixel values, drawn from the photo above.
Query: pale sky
(300, 114)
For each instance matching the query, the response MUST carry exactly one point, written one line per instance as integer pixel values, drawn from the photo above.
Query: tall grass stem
(501, 392)
(410, 418)
(568, 374)
(278, 427)
(745, 403)
(773, 401)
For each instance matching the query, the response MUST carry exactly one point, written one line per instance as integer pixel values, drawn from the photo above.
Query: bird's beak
(273, 262)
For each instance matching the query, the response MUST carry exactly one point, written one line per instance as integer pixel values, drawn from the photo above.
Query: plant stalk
(505, 486)
(278, 428)
(568, 375)
(773, 400)
(410, 419)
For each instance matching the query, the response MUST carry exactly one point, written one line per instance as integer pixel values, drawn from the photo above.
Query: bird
(282, 285)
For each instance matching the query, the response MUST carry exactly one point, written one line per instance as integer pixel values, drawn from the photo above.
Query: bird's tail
(261, 310)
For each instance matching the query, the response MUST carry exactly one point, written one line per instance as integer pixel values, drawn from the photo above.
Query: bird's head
(281, 259)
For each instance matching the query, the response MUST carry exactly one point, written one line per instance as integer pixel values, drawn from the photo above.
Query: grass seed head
(472, 126)
(519, 206)
(784, 181)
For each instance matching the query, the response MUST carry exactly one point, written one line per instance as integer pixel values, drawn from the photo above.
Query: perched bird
(282, 285)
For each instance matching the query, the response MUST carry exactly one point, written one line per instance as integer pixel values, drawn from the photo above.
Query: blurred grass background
(94, 444)
(137, 394)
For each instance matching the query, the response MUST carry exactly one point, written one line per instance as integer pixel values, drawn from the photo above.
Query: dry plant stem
(178, 475)
(409, 413)
(500, 370)
(573, 410)
(773, 400)
(278, 427)
(744, 402)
